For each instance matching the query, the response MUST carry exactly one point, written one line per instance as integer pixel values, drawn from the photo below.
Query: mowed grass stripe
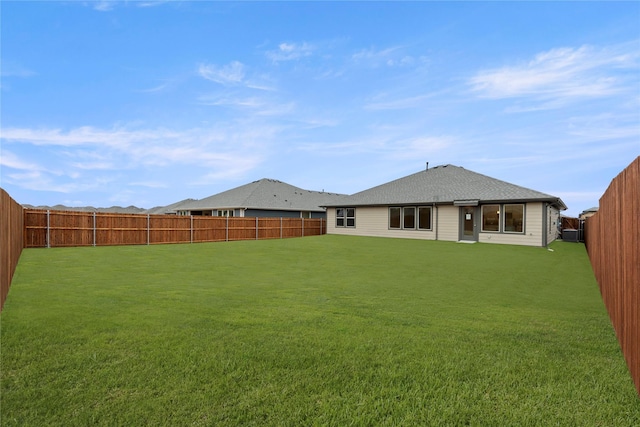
(327, 330)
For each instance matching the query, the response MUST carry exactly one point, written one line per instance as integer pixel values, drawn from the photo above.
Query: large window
(491, 218)
(507, 218)
(345, 217)
(424, 218)
(513, 218)
(394, 218)
(410, 218)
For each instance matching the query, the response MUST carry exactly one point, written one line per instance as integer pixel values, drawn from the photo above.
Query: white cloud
(290, 51)
(10, 160)
(373, 54)
(398, 104)
(390, 57)
(556, 76)
(153, 3)
(230, 101)
(232, 73)
(157, 88)
(104, 5)
(149, 184)
(123, 149)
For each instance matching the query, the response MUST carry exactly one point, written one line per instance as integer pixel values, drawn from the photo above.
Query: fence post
(148, 231)
(226, 235)
(281, 227)
(302, 227)
(94, 228)
(48, 230)
(191, 235)
(256, 228)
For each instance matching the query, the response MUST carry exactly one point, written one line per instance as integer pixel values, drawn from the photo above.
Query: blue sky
(147, 103)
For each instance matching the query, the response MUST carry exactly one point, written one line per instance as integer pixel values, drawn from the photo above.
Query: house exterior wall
(374, 221)
(553, 219)
(448, 222)
(370, 221)
(445, 219)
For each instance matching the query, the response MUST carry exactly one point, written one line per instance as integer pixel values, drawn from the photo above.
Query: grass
(327, 330)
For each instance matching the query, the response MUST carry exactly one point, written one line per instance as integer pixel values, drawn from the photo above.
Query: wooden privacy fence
(49, 228)
(612, 238)
(11, 243)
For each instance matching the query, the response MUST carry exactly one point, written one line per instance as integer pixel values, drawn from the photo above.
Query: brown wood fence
(612, 237)
(11, 243)
(50, 228)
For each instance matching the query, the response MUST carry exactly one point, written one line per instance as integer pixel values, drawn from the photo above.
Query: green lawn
(327, 330)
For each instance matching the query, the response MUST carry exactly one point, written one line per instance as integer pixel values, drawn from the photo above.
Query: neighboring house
(588, 212)
(265, 198)
(168, 210)
(449, 203)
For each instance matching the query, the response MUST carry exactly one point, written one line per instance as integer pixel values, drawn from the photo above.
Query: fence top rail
(143, 215)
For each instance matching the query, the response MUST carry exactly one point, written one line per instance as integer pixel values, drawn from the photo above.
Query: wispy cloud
(390, 57)
(91, 149)
(104, 5)
(10, 160)
(559, 75)
(157, 88)
(154, 3)
(230, 74)
(149, 184)
(398, 104)
(290, 51)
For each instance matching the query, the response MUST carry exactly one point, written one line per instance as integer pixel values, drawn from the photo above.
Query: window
(345, 217)
(503, 218)
(394, 218)
(491, 218)
(424, 218)
(410, 218)
(513, 218)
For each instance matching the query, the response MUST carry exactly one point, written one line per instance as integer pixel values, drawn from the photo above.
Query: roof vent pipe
(427, 166)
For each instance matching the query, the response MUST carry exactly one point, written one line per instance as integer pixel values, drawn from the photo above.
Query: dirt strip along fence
(11, 243)
(49, 228)
(613, 242)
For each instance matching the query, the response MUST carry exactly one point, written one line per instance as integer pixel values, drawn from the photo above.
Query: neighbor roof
(268, 194)
(446, 184)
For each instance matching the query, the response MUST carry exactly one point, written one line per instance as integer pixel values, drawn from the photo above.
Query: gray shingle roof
(269, 194)
(446, 184)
